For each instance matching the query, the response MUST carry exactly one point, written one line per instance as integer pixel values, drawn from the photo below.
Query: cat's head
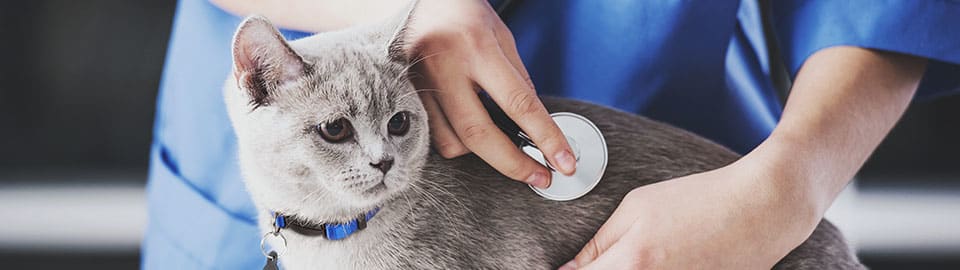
(328, 121)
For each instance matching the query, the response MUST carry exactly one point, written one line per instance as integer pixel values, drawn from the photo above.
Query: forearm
(314, 15)
(844, 101)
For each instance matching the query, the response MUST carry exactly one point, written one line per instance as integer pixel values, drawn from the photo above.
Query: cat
(329, 127)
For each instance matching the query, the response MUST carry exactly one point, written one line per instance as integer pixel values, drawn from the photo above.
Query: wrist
(780, 182)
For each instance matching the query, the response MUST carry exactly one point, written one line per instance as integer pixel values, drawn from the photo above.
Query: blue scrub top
(699, 65)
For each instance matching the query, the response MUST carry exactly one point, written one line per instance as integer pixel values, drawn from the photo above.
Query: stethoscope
(585, 140)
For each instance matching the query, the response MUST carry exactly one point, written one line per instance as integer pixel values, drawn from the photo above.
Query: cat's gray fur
(436, 213)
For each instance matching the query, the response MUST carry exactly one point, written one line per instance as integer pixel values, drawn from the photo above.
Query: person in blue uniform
(704, 66)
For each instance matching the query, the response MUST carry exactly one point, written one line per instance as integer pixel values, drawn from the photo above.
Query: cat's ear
(398, 48)
(262, 60)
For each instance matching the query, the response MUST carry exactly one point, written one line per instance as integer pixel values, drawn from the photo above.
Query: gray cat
(329, 128)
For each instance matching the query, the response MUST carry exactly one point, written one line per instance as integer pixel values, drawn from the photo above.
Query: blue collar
(330, 231)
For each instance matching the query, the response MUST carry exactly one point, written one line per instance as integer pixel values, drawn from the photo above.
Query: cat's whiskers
(453, 177)
(312, 194)
(417, 91)
(406, 197)
(454, 205)
(446, 190)
(457, 177)
(406, 69)
(423, 57)
(431, 192)
(411, 75)
(432, 201)
(406, 73)
(312, 198)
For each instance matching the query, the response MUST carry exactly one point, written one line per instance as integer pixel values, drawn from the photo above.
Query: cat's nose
(384, 165)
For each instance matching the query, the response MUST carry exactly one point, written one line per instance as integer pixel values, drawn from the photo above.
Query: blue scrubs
(699, 65)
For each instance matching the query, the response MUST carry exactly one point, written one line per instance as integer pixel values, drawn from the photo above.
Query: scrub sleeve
(926, 29)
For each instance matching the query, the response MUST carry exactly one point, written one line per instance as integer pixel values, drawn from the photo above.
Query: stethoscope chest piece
(585, 139)
(590, 150)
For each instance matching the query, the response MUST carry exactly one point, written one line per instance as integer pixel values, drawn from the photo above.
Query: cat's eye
(399, 124)
(336, 131)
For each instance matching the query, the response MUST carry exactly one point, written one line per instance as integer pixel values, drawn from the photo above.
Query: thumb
(618, 256)
(606, 237)
(615, 227)
(600, 243)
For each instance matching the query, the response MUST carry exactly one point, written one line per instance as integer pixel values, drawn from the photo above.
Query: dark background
(78, 82)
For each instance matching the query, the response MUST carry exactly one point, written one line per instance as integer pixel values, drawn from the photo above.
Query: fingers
(474, 128)
(444, 138)
(514, 93)
(460, 124)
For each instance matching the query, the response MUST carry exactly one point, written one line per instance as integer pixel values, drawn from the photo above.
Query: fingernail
(571, 265)
(538, 179)
(566, 161)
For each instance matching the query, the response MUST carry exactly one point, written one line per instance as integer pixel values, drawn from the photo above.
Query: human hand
(727, 218)
(462, 45)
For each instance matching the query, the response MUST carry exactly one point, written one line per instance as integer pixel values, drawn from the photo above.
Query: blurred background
(77, 90)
